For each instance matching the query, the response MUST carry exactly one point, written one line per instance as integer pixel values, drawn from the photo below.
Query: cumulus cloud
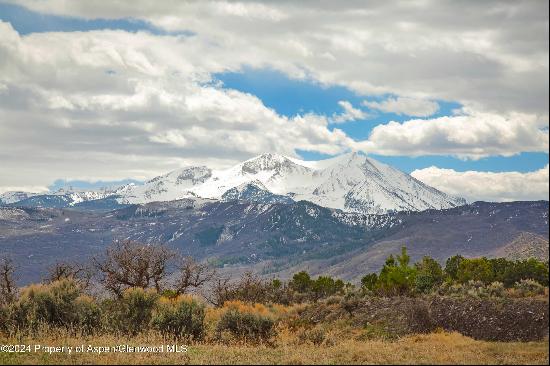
(408, 48)
(112, 105)
(349, 114)
(474, 135)
(488, 186)
(407, 106)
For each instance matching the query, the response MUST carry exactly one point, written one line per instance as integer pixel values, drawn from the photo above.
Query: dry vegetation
(404, 315)
(435, 348)
(294, 341)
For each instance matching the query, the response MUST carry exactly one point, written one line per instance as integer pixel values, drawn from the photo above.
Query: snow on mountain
(254, 192)
(351, 182)
(60, 198)
(168, 187)
(76, 197)
(15, 196)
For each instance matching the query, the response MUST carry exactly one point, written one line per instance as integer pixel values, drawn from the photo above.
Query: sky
(454, 93)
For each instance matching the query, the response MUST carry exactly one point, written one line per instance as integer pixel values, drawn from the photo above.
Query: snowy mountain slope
(61, 198)
(254, 192)
(350, 182)
(15, 196)
(168, 187)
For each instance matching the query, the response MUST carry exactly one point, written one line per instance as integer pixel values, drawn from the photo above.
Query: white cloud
(154, 112)
(31, 189)
(418, 49)
(488, 186)
(350, 113)
(113, 104)
(473, 136)
(403, 105)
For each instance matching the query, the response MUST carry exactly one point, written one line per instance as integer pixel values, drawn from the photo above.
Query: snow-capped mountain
(59, 198)
(172, 186)
(351, 182)
(15, 196)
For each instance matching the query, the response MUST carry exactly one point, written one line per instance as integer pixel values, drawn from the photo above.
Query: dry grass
(336, 342)
(435, 348)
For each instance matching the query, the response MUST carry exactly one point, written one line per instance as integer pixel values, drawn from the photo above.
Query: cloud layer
(488, 186)
(407, 106)
(473, 135)
(109, 105)
(493, 56)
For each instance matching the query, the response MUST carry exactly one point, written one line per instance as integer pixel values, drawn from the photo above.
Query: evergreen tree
(428, 274)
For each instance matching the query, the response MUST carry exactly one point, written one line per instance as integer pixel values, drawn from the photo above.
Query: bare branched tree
(8, 288)
(249, 288)
(129, 263)
(252, 288)
(192, 275)
(220, 291)
(81, 274)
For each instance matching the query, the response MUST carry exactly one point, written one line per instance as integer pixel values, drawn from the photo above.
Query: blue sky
(290, 97)
(268, 80)
(26, 21)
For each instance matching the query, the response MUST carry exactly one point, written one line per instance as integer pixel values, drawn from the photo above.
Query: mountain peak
(267, 162)
(351, 182)
(268, 157)
(353, 157)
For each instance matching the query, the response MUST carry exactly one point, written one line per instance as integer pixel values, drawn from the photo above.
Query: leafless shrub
(252, 289)
(220, 291)
(131, 264)
(191, 275)
(8, 288)
(80, 274)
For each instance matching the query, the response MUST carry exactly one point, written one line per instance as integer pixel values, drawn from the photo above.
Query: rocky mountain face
(351, 182)
(254, 192)
(525, 245)
(273, 239)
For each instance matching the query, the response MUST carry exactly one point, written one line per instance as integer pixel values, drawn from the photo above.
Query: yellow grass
(435, 348)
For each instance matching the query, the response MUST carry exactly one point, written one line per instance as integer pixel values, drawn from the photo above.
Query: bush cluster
(62, 304)
(315, 289)
(246, 326)
(180, 317)
(472, 288)
(59, 304)
(477, 276)
(301, 288)
(131, 313)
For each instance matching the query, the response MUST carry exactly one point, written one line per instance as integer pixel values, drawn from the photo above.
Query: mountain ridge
(274, 239)
(350, 182)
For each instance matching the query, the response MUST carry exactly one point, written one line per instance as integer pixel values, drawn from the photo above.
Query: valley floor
(434, 348)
